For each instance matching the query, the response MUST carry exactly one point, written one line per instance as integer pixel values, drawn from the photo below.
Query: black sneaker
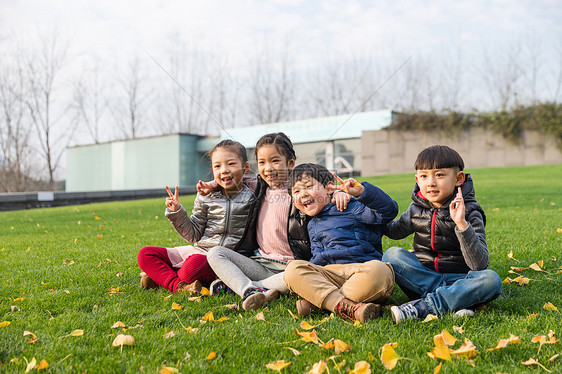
(218, 287)
(416, 309)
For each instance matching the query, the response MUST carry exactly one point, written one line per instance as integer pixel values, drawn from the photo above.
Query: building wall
(394, 152)
(135, 164)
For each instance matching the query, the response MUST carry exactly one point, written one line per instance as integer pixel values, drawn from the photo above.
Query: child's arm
(189, 228)
(471, 234)
(382, 209)
(401, 227)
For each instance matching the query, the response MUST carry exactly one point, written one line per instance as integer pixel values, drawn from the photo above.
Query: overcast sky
(114, 30)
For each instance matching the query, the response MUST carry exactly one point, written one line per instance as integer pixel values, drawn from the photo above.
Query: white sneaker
(464, 313)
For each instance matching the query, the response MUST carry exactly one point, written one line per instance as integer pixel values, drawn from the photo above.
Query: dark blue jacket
(353, 235)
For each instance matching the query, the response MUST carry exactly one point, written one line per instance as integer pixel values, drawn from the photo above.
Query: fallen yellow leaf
(43, 364)
(467, 349)
(168, 370)
(550, 306)
(31, 364)
(32, 337)
(122, 340)
(513, 339)
(118, 324)
(176, 306)
(444, 339)
(171, 334)
(292, 314)
(222, 319)
(458, 329)
(510, 255)
(260, 316)
(208, 317)
(521, 280)
(211, 355)
(340, 346)
(5, 324)
(553, 357)
(361, 367)
(389, 357)
(429, 318)
(294, 351)
(328, 345)
(306, 326)
(438, 368)
(532, 361)
(442, 352)
(309, 337)
(319, 367)
(501, 344)
(205, 291)
(536, 267)
(278, 365)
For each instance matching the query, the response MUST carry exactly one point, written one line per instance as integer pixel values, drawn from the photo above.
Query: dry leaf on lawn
(294, 351)
(532, 361)
(319, 367)
(211, 355)
(553, 358)
(43, 364)
(389, 357)
(467, 350)
(118, 324)
(306, 326)
(438, 368)
(260, 317)
(208, 317)
(5, 324)
(328, 345)
(31, 364)
(171, 334)
(122, 340)
(444, 339)
(176, 306)
(442, 352)
(510, 255)
(361, 367)
(309, 337)
(292, 314)
(340, 346)
(550, 306)
(458, 329)
(168, 370)
(429, 318)
(278, 365)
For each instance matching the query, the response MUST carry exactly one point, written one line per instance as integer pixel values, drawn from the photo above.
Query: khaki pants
(326, 286)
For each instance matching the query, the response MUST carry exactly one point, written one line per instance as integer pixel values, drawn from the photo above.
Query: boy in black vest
(446, 272)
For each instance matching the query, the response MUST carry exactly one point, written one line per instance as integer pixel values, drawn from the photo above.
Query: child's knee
(215, 253)
(292, 272)
(492, 283)
(393, 254)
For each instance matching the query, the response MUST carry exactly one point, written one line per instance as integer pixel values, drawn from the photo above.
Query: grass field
(60, 269)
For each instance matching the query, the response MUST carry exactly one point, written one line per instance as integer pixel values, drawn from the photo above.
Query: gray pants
(241, 273)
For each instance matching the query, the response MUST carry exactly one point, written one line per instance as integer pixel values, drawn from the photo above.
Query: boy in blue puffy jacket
(345, 274)
(446, 272)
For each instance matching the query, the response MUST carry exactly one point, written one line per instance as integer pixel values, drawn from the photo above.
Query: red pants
(155, 263)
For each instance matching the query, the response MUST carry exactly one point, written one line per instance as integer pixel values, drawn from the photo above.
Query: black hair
(233, 146)
(438, 157)
(318, 172)
(281, 141)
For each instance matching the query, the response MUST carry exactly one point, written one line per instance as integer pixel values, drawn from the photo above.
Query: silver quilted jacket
(216, 219)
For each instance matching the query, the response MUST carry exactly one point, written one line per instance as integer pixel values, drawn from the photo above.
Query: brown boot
(358, 311)
(192, 288)
(147, 282)
(305, 307)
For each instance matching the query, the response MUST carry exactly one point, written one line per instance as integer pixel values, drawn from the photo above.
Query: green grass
(523, 207)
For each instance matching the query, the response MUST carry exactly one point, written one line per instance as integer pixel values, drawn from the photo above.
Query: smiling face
(310, 196)
(273, 166)
(228, 170)
(437, 185)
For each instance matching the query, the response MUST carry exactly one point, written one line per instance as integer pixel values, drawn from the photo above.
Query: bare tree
(131, 108)
(15, 129)
(273, 87)
(501, 73)
(47, 110)
(90, 103)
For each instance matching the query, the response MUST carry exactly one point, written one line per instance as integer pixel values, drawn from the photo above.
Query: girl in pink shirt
(280, 231)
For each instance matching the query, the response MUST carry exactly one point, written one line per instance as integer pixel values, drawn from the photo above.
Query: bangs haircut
(279, 140)
(232, 146)
(318, 172)
(438, 157)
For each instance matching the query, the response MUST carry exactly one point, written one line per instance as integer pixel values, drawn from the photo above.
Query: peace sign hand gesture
(457, 211)
(172, 202)
(350, 186)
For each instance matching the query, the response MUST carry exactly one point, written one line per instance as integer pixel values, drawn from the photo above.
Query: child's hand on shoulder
(350, 186)
(457, 211)
(172, 201)
(205, 188)
(341, 199)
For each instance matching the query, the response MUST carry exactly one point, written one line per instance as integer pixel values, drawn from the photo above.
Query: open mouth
(226, 180)
(308, 203)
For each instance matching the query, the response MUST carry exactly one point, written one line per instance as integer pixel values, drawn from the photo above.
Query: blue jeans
(443, 292)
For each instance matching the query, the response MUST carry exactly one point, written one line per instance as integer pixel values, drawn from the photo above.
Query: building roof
(316, 129)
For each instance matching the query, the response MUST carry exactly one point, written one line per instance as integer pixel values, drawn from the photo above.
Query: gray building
(179, 159)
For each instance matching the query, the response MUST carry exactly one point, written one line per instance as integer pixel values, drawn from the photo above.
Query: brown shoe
(358, 311)
(147, 282)
(192, 288)
(305, 307)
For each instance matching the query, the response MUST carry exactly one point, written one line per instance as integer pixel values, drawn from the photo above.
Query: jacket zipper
(436, 260)
(227, 222)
